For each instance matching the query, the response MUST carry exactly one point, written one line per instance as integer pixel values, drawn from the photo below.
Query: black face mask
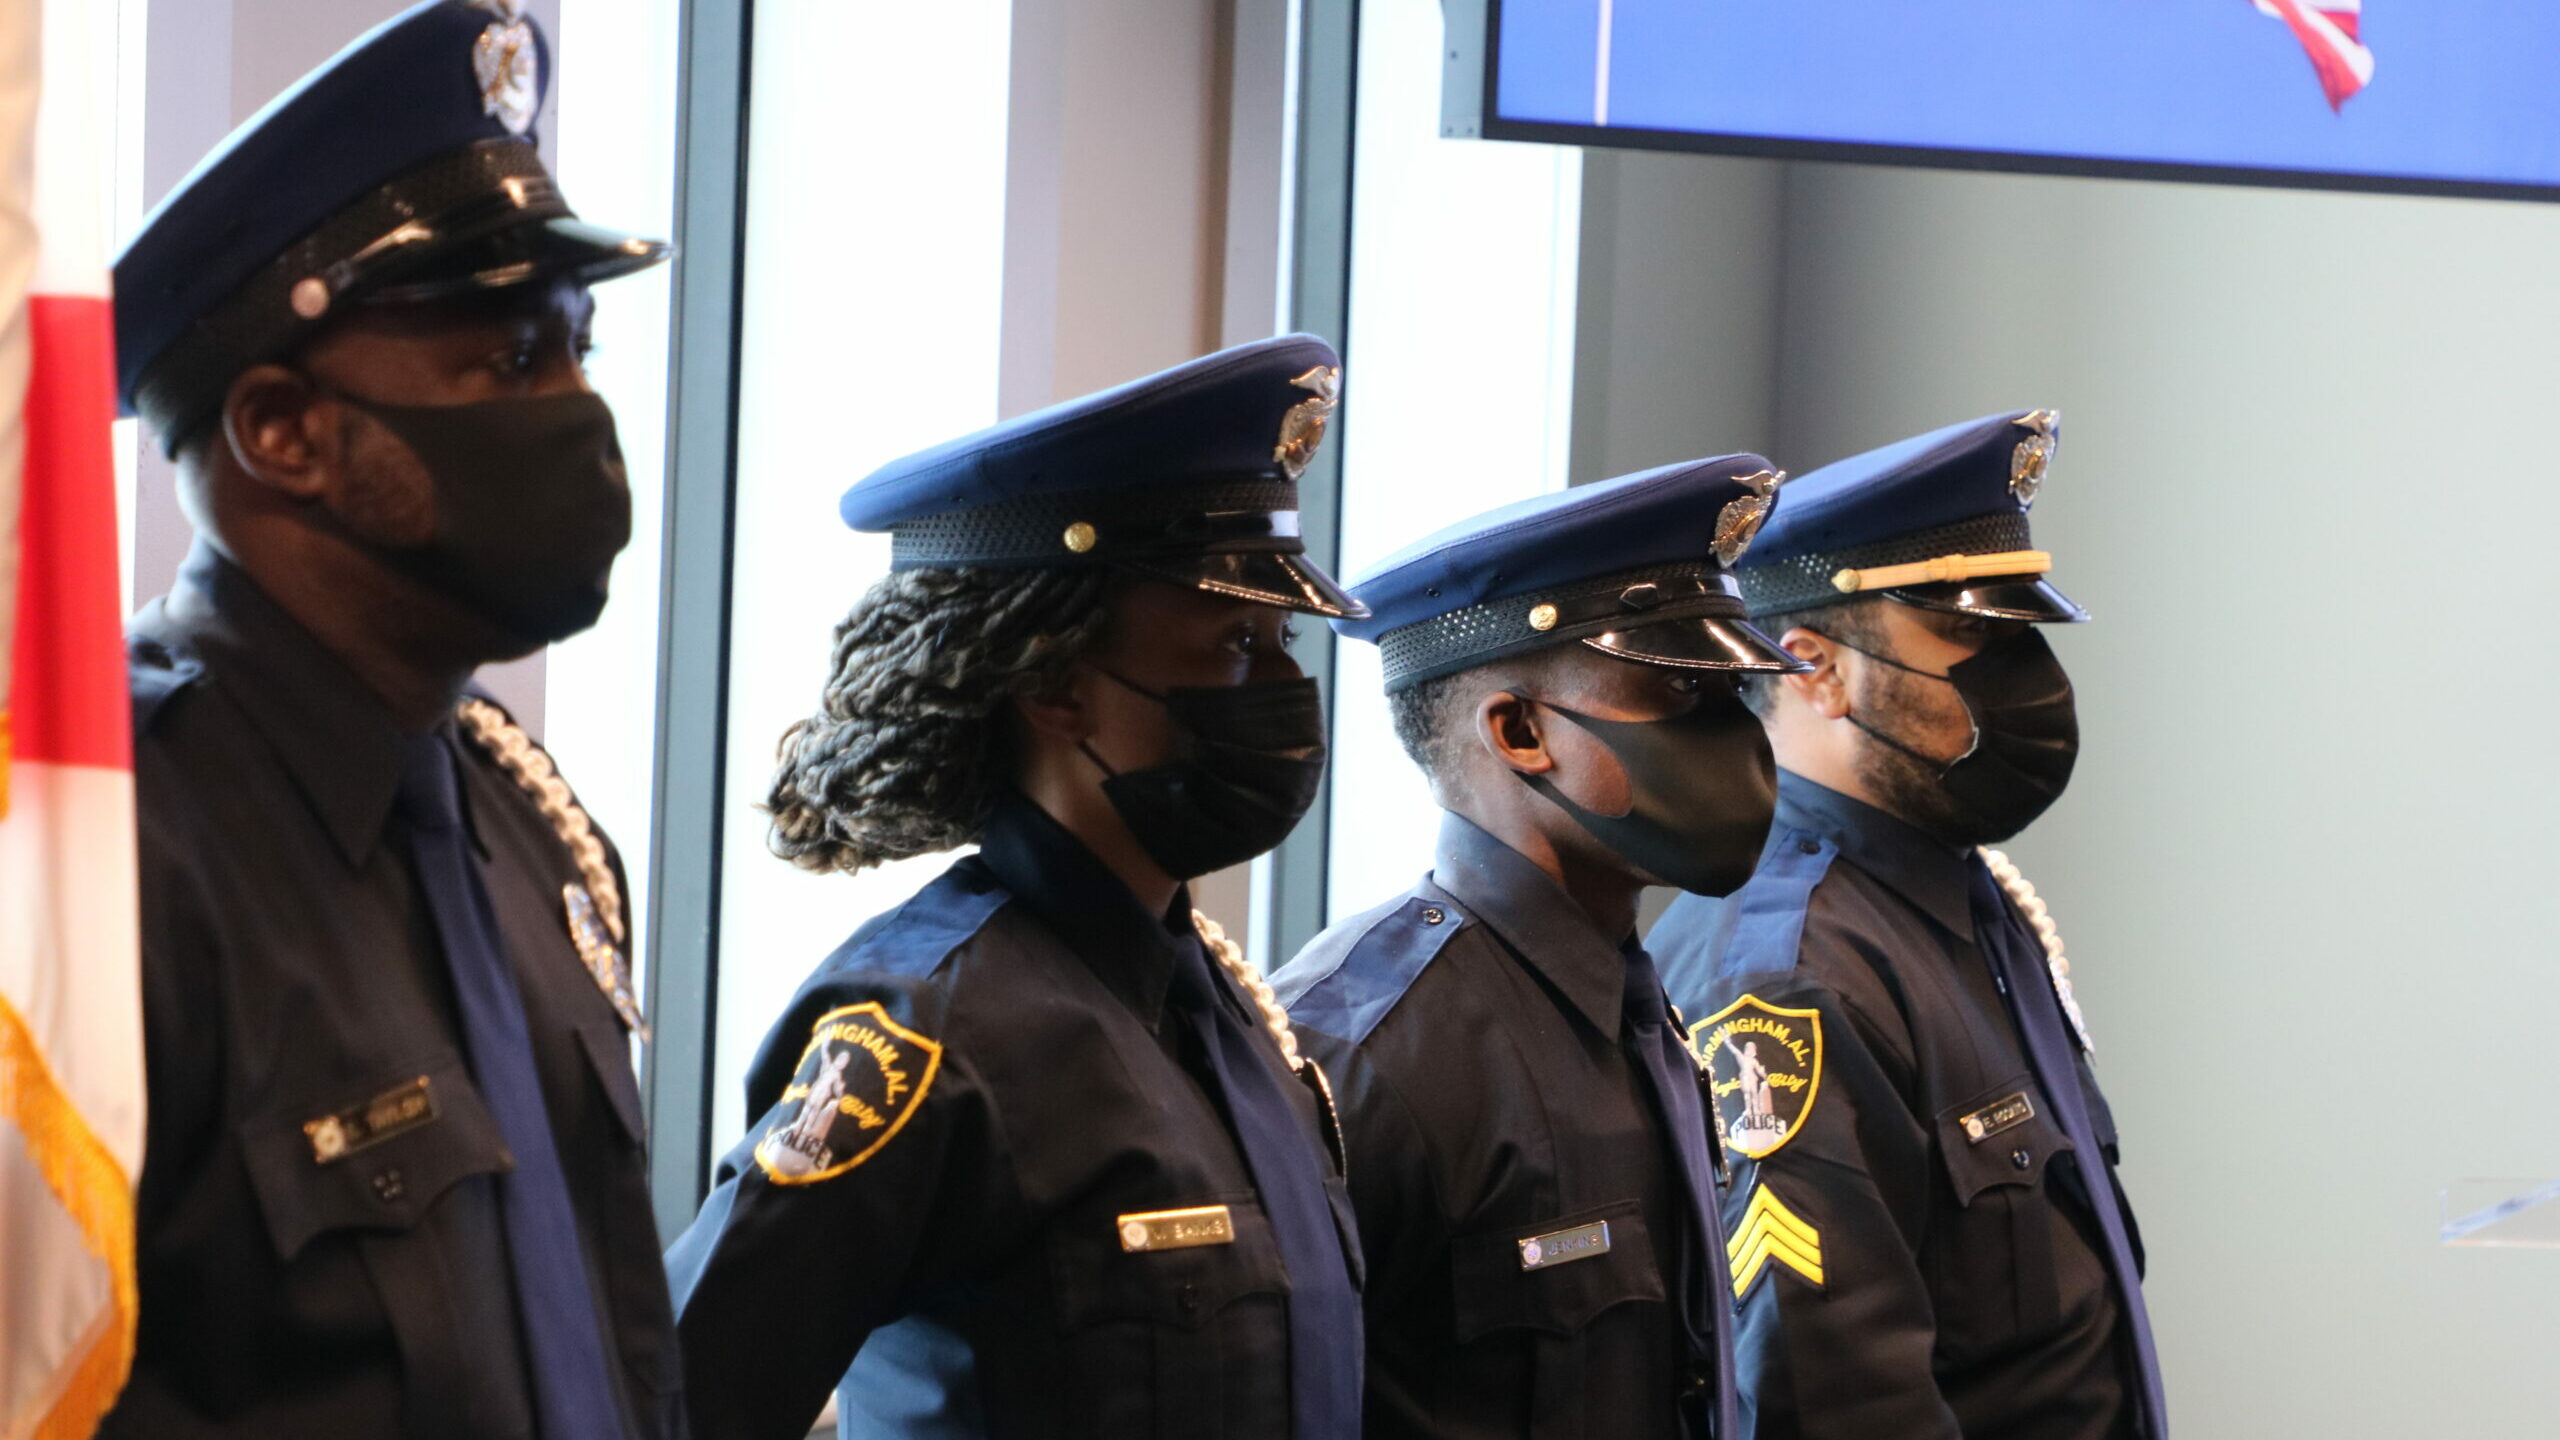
(531, 507)
(1705, 787)
(2026, 735)
(1248, 760)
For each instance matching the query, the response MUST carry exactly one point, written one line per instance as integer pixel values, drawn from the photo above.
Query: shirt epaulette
(1394, 943)
(157, 673)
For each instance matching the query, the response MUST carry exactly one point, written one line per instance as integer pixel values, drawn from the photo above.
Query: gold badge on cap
(503, 60)
(1740, 522)
(1302, 429)
(2034, 455)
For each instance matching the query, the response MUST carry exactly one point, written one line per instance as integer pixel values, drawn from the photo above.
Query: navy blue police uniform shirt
(293, 985)
(980, 1132)
(1472, 1028)
(1912, 1250)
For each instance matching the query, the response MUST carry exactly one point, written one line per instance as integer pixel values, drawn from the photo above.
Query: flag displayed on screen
(2433, 96)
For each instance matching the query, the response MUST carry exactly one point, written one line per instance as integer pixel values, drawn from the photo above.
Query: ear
(1825, 690)
(1058, 710)
(1507, 726)
(283, 431)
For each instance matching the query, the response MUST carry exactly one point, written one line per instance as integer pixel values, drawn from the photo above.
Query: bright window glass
(874, 254)
(614, 129)
(1458, 392)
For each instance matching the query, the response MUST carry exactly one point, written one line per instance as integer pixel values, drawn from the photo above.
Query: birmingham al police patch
(858, 1084)
(1765, 1063)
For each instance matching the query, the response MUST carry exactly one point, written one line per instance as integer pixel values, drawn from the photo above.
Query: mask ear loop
(1134, 688)
(1890, 743)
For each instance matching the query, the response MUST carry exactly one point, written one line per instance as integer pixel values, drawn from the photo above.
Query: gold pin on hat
(2034, 455)
(1080, 537)
(1738, 524)
(1542, 617)
(1302, 429)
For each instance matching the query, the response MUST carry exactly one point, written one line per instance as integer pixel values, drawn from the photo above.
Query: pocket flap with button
(369, 1156)
(1097, 1277)
(2003, 1136)
(1553, 1275)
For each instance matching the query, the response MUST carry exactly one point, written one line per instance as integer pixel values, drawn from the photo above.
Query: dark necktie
(573, 1389)
(1673, 1077)
(2018, 960)
(1287, 1161)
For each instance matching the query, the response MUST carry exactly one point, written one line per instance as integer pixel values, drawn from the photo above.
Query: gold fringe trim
(94, 1190)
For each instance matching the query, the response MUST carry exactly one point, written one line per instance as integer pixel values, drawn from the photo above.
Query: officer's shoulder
(159, 670)
(1758, 929)
(1352, 976)
(918, 938)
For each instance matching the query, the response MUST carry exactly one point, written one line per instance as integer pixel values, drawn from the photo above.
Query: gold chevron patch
(1770, 1231)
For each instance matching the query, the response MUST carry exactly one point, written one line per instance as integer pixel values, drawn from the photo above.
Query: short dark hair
(1425, 726)
(1850, 621)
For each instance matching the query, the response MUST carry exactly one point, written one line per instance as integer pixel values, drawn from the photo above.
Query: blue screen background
(2463, 90)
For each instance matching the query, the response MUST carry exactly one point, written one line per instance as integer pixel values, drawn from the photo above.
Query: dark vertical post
(693, 692)
(1319, 302)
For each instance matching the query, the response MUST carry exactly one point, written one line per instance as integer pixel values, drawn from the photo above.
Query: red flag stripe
(68, 692)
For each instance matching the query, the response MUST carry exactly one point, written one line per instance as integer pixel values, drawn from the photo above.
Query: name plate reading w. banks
(1177, 1229)
(1561, 1247)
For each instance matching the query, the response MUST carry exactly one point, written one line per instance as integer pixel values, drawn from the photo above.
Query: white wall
(2306, 867)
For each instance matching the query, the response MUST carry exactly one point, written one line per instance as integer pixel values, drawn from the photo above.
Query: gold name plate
(1562, 1247)
(335, 1137)
(2007, 1114)
(1177, 1229)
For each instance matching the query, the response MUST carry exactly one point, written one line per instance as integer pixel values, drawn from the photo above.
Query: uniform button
(1809, 847)
(1191, 1300)
(388, 1187)
(1432, 915)
(2020, 1159)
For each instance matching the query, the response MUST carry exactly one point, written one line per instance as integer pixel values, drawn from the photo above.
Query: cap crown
(418, 86)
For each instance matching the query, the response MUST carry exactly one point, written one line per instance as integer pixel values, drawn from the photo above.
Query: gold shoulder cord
(2038, 916)
(534, 773)
(1230, 957)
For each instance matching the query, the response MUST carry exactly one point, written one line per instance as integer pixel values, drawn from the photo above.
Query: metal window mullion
(1319, 302)
(702, 426)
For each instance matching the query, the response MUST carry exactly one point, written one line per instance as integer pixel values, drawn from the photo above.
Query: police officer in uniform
(1530, 1156)
(1037, 1155)
(1928, 1237)
(396, 1182)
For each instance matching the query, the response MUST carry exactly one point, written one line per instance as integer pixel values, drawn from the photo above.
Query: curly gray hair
(911, 742)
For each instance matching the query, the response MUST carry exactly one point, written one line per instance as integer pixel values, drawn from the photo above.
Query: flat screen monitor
(2425, 96)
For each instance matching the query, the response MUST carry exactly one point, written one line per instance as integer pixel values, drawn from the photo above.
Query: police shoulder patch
(1765, 1064)
(858, 1083)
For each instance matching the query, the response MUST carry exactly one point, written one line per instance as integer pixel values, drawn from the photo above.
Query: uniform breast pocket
(375, 1155)
(1993, 1261)
(1531, 1291)
(1171, 1321)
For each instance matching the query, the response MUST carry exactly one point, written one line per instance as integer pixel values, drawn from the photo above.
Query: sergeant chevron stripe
(1770, 1231)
